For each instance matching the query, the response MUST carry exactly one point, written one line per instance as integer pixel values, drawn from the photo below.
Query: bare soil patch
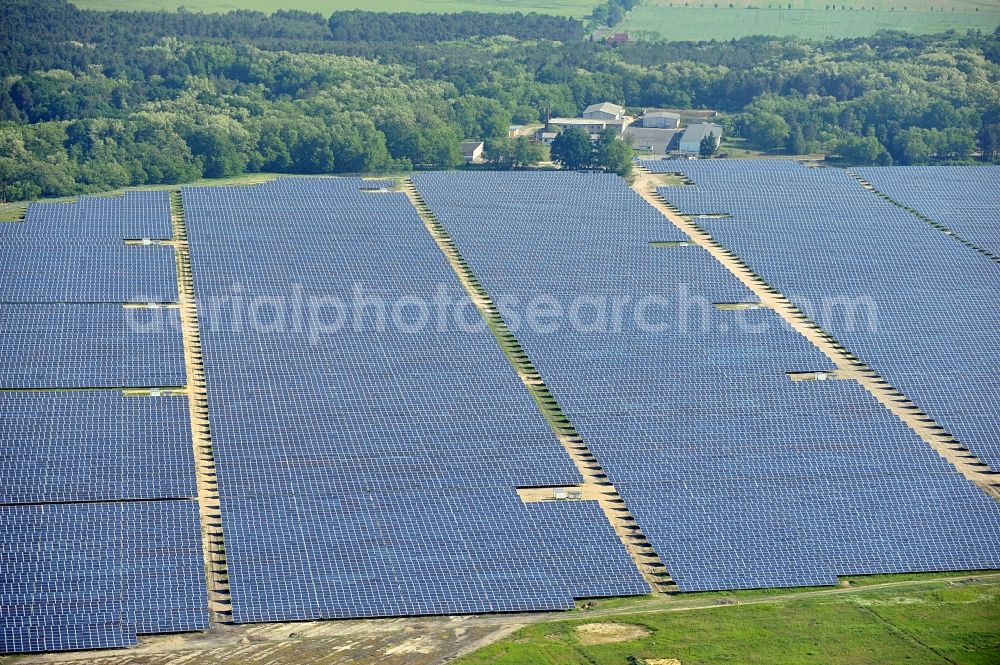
(605, 633)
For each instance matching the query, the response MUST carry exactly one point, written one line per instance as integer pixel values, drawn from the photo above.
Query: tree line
(573, 149)
(612, 12)
(408, 27)
(98, 100)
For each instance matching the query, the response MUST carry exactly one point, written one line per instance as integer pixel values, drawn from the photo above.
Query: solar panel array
(94, 575)
(567, 527)
(99, 531)
(89, 346)
(135, 216)
(368, 464)
(75, 252)
(924, 315)
(63, 272)
(86, 271)
(965, 200)
(738, 476)
(368, 453)
(93, 446)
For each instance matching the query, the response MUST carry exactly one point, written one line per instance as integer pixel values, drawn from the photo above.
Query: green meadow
(578, 8)
(929, 623)
(813, 19)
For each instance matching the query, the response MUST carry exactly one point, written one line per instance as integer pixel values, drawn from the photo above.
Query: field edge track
(209, 508)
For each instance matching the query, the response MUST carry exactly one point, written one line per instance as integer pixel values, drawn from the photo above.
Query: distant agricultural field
(577, 8)
(672, 19)
(732, 19)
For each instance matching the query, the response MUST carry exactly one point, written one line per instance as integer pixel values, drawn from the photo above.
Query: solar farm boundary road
(596, 485)
(209, 507)
(922, 217)
(848, 367)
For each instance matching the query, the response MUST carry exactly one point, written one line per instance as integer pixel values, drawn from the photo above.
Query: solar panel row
(75, 252)
(913, 304)
(89, 346)
(84, 564)
(738, 476)
(134, 216)
(368, 452)
(93, 446)
(85, 270)
(93, 575)
(965, 200)
(568, 527)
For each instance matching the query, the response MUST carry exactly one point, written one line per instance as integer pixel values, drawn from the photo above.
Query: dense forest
(91, 101)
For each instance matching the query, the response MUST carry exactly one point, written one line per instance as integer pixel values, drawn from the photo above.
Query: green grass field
(577, 8)
(699, 20)
(920, 622)
(702, 20)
